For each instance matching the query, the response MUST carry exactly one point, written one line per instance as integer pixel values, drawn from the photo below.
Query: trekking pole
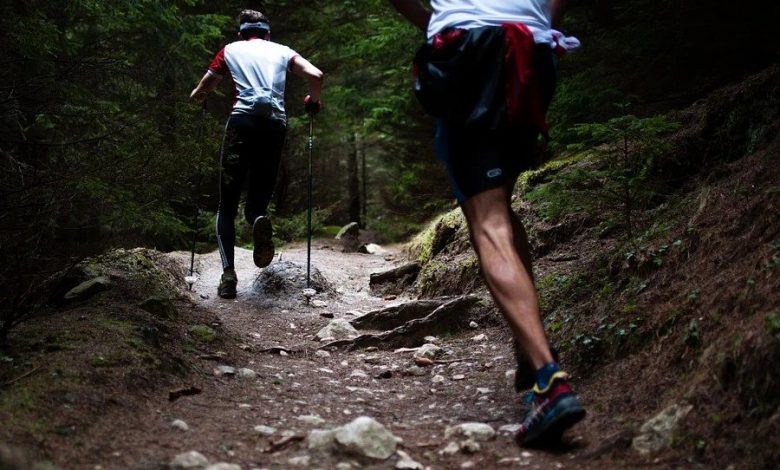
(308, 222)
(191, 278)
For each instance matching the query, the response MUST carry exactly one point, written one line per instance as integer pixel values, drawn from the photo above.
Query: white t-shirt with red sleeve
(259, 71)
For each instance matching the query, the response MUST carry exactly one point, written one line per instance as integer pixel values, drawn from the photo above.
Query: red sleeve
(290, 61)
(218, 66)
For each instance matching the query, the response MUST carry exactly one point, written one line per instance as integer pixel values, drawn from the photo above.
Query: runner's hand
(312, 107)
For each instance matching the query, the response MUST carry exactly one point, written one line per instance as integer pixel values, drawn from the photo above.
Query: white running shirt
(469, 14)
(259, 71)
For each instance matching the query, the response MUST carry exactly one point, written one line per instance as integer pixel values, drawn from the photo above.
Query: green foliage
(626, 148)
(287, 229)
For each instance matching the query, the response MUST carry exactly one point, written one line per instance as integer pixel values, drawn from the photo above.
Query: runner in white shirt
(254, 133)
(488, 72)
(535, 14)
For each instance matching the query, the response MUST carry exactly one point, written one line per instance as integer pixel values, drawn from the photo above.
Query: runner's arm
(413, 11)
(558, 8)
(207, 84)
(304, 69)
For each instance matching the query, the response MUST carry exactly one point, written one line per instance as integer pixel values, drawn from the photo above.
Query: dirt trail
(222, 419)
(130, 418)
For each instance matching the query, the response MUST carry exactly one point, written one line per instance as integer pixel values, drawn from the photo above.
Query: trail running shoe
(524, 372)
(553, 411)
(262, 234)
(227, 284)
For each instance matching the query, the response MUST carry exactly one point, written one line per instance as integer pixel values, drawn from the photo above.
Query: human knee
(493, 232)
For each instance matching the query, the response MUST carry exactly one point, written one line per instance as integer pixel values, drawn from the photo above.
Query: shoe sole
(572, 413)
(262, 235)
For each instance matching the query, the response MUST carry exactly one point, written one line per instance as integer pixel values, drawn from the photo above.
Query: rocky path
(271, 397)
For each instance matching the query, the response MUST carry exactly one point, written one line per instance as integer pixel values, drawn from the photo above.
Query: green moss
(429, 274)
(20, 403)
(421, 246)
(203, 333)
(531, 178)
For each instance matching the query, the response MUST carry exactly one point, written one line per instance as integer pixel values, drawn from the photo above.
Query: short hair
(251, 16)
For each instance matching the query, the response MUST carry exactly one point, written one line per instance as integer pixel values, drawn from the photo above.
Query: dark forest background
(100, 146)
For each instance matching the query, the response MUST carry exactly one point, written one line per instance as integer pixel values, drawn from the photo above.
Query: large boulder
(349, 236)
(285, 280)
(87, 289)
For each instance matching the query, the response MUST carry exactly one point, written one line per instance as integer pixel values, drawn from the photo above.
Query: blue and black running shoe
(553, 410)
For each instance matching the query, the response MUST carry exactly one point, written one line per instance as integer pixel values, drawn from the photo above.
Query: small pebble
(180, 425)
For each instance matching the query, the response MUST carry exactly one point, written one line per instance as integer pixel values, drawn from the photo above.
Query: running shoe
(227, 284)
(524, 372)
(262, 234)
(553, 410)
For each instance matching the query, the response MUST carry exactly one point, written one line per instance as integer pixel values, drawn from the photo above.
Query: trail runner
(254, 133)
(488, 72)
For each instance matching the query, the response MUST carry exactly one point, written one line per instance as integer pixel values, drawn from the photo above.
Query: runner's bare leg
(499, 244)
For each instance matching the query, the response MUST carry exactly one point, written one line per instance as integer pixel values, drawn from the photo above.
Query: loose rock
(224, 466)
(510, 377)
(191, 459)
(476, 431)
(405, 462)
(265, 430)
(180, 425)
(300, 461)
(337, 330)
(322, 354)
(509, 429)
(656, 434)
(89, 288)
(415, 371)
(429, 351)
(452, 448)
(224, 371)
(247, 374)
(366, 437)
(321, 439)
(372, 249)
(314, 420)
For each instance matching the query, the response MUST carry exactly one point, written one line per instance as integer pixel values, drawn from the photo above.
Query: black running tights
(251, 151)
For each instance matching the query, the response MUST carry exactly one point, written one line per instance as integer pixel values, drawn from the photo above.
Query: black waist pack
(460, 76)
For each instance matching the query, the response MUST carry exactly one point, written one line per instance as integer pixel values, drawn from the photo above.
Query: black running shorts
(479, 158)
